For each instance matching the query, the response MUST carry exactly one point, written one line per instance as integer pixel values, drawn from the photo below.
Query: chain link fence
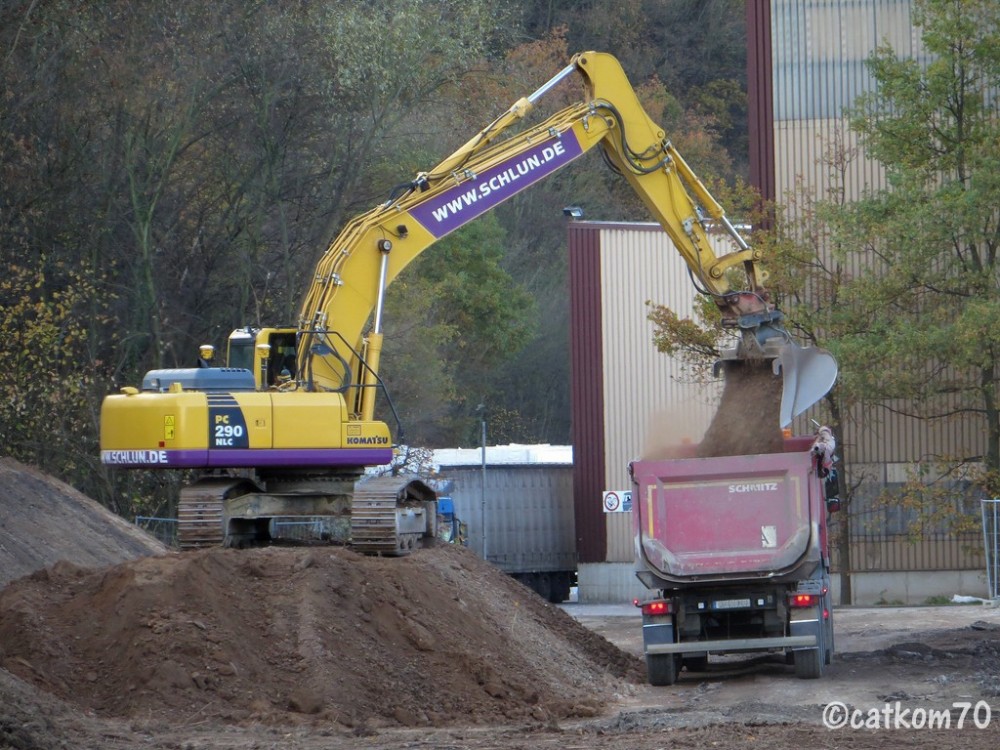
(991, 545)
(287, 528)
(164, 529)
(893, 538)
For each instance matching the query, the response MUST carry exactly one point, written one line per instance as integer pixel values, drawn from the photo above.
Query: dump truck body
(736, 550)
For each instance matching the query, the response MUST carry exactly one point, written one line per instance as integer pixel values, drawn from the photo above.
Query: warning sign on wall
(618, 501)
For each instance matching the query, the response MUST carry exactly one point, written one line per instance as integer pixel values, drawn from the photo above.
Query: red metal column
(760, 97)
(587, 390)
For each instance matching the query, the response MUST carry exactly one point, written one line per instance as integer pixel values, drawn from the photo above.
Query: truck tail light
(658, 607)
(804, 600)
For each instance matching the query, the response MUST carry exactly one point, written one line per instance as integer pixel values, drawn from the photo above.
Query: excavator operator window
(282, 356)
(241, 350)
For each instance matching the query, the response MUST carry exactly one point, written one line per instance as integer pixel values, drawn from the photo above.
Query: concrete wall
(912, 587)
(609, 583)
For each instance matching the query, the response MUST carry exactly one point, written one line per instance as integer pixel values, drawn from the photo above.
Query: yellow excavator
(286, 427)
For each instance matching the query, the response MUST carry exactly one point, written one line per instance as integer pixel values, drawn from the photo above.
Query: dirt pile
(308, 635)
(276, 634)
(44, 521)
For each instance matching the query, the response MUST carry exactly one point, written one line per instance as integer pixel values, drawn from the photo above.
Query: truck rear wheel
(809, 663)
(662, 668)
(829, 642)
(542, 584)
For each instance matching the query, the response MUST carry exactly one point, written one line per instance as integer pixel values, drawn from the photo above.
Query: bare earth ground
(308, 648)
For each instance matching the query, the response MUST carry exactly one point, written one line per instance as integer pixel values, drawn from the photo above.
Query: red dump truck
(736, 550)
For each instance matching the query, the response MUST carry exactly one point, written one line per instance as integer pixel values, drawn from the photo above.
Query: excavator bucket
(808, 374)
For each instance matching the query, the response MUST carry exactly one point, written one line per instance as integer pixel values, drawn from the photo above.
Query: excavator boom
(495, 165)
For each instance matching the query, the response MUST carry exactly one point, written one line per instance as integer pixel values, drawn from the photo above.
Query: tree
(451, 318)
(194, 161)
(808, 268)
(51, 376)
(919, 323)
(697, 48)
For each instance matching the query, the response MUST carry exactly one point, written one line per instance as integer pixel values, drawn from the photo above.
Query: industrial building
(806, 63)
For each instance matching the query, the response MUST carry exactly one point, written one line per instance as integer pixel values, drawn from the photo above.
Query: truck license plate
(731, 604)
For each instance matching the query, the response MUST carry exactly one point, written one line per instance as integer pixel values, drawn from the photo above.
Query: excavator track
(389, 515)
(201, 518)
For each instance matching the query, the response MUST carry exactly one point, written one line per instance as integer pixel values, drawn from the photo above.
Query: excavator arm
(339, 350)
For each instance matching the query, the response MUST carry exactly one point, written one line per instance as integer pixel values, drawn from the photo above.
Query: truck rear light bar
(803, 600)
(656, 607)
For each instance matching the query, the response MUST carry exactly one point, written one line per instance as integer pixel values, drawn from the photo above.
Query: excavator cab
(266, 352)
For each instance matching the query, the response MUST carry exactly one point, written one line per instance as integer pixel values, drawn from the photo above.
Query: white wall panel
(646, 393)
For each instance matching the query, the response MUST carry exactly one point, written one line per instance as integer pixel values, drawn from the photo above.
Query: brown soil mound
(44, 521)
(271, 634)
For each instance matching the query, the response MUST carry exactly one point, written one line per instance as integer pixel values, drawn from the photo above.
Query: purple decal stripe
(461, 204)
(225, 459)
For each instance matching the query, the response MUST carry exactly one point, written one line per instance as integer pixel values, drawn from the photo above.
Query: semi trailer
(517, 507)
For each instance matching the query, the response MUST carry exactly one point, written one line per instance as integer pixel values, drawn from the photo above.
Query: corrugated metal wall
(646, 398)
(819, 49)
(651, 401)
